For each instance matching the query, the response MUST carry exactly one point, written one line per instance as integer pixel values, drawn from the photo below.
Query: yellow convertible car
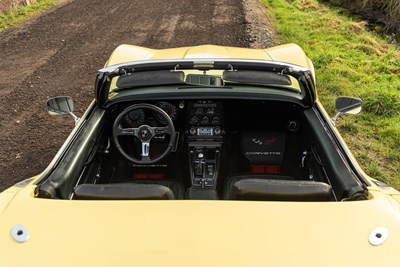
(202, 156)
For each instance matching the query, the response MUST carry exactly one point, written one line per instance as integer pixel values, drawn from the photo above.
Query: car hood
(288, 53)
(198, 233)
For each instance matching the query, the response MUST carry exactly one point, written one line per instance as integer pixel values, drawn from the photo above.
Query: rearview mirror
(347, 105)
(203, 79)
(61, 105)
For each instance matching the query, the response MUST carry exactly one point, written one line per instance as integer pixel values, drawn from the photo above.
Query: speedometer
(135, 118)
(170, 109)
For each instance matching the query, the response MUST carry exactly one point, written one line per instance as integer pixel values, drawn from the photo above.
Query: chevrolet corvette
(202, 156)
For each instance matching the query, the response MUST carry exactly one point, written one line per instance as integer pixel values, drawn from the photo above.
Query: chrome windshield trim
(270, 63)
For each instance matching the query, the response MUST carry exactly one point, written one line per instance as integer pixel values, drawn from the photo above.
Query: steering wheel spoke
(126, 131)
(145, 149)
(161, 130)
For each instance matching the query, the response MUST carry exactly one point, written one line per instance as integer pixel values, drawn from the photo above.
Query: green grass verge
(350, 60)
(21, 14)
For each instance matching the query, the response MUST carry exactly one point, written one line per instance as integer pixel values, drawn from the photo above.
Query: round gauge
(194, 120)
(170, 109)
(210, 111)
(135, 118)
(215, 120)
(205, 120)
(199, 111)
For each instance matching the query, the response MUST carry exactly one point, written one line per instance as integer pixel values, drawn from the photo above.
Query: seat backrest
(123, 191)
(277, 190)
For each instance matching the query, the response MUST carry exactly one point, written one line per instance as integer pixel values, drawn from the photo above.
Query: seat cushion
(230, 182)
(277, 190)
(123, 191)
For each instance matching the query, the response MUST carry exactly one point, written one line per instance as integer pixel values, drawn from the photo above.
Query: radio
(205, 131)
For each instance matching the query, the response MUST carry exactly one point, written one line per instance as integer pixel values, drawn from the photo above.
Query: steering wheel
(144, 133)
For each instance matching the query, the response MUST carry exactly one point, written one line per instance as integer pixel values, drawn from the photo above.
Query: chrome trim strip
(115, 67)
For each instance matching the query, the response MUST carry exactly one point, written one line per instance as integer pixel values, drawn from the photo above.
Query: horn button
(145, 133)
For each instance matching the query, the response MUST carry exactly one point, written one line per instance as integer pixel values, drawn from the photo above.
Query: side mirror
(61, 105)
(347, 105)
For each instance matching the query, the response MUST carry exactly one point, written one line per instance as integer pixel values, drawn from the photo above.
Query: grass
(350, 60)
(23, 13)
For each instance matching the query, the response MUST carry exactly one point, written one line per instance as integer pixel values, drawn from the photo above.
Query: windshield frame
(301, 74)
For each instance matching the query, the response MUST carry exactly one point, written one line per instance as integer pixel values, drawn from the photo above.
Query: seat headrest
(277, 190)
(123, 191)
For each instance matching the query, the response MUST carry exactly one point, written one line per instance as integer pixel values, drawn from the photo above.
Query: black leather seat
(123, 191)
(275, 188)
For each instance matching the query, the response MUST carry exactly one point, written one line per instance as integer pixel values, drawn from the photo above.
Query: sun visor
(256, 77)
(263, 147)
(148, 78)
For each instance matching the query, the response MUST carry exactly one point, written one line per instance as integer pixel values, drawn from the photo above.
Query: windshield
(211, 78)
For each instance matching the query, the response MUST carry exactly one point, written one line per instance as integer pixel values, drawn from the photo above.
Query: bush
(386, 12)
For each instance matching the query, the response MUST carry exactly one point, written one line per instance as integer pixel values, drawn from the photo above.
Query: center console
(205, 137)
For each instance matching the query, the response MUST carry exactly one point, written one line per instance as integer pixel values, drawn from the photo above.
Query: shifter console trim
(205, 138)
(204, 163)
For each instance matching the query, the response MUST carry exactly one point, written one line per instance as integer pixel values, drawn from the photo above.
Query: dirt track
(59, 52)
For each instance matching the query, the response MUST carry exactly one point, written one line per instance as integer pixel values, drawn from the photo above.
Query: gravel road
(59, 52)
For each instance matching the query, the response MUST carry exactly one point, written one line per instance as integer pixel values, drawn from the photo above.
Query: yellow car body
(290, 53)
(64, 232)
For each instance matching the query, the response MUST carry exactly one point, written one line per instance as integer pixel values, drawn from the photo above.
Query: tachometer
(170, 109)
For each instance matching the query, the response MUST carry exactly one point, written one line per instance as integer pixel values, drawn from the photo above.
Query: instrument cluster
(139, 117)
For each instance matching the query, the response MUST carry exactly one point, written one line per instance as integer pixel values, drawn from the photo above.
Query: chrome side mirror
(347, 105)
(61, 105)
